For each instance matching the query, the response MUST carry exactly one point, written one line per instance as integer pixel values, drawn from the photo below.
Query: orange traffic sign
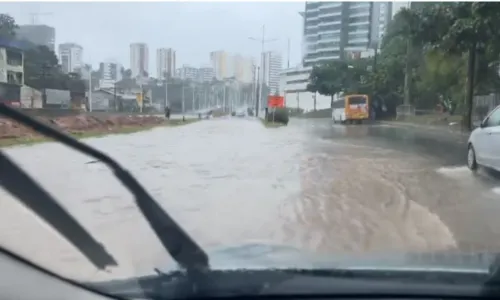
(275, 101)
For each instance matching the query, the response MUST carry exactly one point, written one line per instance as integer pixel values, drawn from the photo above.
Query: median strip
(81, 127)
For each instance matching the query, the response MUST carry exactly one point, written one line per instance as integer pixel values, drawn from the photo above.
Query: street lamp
(263, 42)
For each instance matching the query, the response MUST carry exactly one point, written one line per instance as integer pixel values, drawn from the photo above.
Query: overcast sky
(105, 30)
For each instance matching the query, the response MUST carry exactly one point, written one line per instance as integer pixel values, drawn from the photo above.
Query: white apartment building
(110, 72)
(206, 74)
(243, 68)
(333, 30)
(293, 85)
(70, 56)
(187, 72)
(165, 62)
(139, 59)
(222, 63)
(270, 71)
(11, 66)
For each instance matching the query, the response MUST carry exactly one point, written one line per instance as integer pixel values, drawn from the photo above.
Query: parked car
(484, 143)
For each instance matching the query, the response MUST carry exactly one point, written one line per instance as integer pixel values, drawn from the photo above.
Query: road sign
(275, 101)
(139, 98)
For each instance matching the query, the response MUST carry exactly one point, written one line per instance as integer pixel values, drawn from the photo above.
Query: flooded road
(317, 187)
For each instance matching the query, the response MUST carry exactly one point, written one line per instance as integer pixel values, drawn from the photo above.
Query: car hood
(266, 256)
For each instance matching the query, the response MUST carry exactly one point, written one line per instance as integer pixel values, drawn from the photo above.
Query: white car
(484, 143)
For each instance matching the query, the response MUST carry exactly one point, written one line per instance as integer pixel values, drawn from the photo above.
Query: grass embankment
(271, 124)
(450, 123)
(318, 114)
(94, 133)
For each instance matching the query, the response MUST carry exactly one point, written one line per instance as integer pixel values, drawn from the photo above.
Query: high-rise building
(187, 72)
(165, 62)
(139, 60)
(271, 68)
(38, 34)
(206, 74)
(109, 73)
(222, 65)
(335, 30)
(243, 68)
(70, 56)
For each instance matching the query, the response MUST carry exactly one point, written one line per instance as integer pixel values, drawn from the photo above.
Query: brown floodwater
(313, 186)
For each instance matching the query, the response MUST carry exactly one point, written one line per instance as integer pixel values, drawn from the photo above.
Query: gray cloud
(105, 30)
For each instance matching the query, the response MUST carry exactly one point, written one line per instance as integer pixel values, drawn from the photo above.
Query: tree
(459, 28)
(8, 26)
(328, 79)
(126, 73)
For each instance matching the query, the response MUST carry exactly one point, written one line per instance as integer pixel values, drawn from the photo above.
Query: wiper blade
(25, 189)
(183, 249)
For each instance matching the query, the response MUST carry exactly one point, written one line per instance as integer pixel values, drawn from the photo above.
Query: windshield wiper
(183, 249)
(25, 189)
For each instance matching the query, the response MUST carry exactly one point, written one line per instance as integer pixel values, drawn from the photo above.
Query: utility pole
(192, 104)
(45, 71)
(257, 96)
(408, 67)
(114, 96)
(182, 99)
(288, 54)
(261, 67)
(90, 88)
(166, 89)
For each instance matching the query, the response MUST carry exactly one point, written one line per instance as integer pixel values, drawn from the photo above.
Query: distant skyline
(192, 29)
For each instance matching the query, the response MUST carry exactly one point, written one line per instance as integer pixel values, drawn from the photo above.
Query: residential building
(187, 72)
(271, 68)
(222, 64)
(109, 74)
(206, 74)
(165, 62)
(110, 71)
(11, 72)
(38, 34)
(293, 86)
(334, 30)
(86, 71)
(70, 56)
(243, 68)
(139, 60)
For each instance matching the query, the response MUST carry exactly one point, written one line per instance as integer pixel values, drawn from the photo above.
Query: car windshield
(231, 118)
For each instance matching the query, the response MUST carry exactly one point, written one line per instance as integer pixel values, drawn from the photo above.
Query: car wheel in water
(471, 158)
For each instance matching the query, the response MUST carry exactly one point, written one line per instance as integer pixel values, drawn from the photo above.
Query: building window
(15, 77)
(14, 58)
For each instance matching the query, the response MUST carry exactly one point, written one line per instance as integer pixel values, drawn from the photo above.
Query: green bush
(279, 115)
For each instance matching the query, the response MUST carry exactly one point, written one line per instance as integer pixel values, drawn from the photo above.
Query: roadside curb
(428, 127)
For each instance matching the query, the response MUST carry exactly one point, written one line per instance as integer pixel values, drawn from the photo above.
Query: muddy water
(232, 181)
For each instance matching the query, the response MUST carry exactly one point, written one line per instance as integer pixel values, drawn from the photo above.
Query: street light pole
(193, 108)
(183, 100)
(263, 42)
(90, 88)
(166, 90)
